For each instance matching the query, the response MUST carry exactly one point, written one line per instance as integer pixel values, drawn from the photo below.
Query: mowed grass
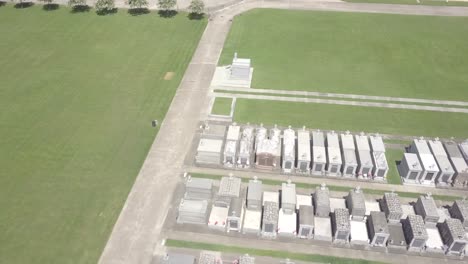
(412, 2)
(353, 118)
(221, 106)
(358, 53)
(77, 96)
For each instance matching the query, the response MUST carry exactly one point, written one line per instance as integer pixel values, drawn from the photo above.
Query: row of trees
(167, 7)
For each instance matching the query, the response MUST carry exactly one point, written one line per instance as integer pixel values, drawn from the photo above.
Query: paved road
(136, 235)
(343, 96)
(342, 102)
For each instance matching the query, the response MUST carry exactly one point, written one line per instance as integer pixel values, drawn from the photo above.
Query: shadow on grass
(138, 11)
(167, 13)
(107, 12)
(24, 5)
(2, 3)
(80, 9)
(193, 16)
(50, 7)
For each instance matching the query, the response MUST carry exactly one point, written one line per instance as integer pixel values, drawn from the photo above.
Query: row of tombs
(385, 224)
(291, 151)
(431, 162)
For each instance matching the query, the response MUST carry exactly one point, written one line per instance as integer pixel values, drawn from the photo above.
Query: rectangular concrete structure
(337, 203)
(209, 151)
(464, 149)
(322, 201)
(240, 69)
(356, 204)
(410, 168)
(429, 165)
(231, 145)
(246, 259)
(378, 229)
(366, 165)
(303, 151)
(192, 212)
(306, 222)
(446, 170)
(270, 220)
(268, 149)
(391, 206)
(210, 257)
(302, 199)
(235, 215)
(323, 229)
(434, 242)
(271, 197)
(341, 227)
(426, 207)
(372, 206)
(173, 258)
(244, 159)
(218, 217)
(198, 188)
(459, 210)
(396, 240)
(334, 161)
(252, 222)
(229, 187)
(453, 236)
(349, 155)
(288, 197)
(319, 156)
(287, 224)
(288, 151)
(359, 234)
(255, 195)
(378, 156)
(213, 131)
(458, 163)
(415, 232)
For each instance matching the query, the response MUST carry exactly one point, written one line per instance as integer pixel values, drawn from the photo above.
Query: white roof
(428, 162)
(359, 231)
(218, 216)
(464, 149)
(377, 144)
(303, 200)
(434, 241)
(241, 61)
(336, 203)
(365, 158)
(230, 147)
(288, 193)
(444, 164)
(362, 143)
(371, 206)
(287, 223)
(349, 157)
(289, 143)
(347, 141)
(459, 164)
(334, 155)
(332, 140)
(319, 154)
(380, 160)
(318, 139)
(421, 146)
(437, 148)
(322, 226)
(413, 161)
(252, 220)
(246, 140)
(303, 145)
(193, 206)
(210, 145)
(270, 197)
(233, 132)
(270, 145)
(407, 210)
(443, 214)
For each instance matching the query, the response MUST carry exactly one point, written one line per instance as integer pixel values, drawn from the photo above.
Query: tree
(137, 4)
(105, 6)
(196, 8)
(167, 5)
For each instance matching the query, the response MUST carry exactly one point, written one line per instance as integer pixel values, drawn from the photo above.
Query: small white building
(288, 197)
(209, 151)
(447, 172)
(268, 149)
(349, 155)
(464, 149)
(410, 168)
(319, 156)
(235, 215)
(303, 151)
(289, 150)
(429, 165)
(434, 242)
(359, 235)
(218, 217)
(244, 158)
(254, 195)
(460, 179)
(240, 69)
(252, 222)
(322, 229)
(230, 146)
(333, 155)
(287, 224)
(366, 165)
(378, 155)
(271, 197)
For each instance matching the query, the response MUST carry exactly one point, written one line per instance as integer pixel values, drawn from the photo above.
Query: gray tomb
(319, 156)
(209, 151)
(410, 168)
(192, 212)
(391, 206)
(415, 232)
(333, 155)
(173, 258)
(303, 151)
(426, 207)
(288, 197)
(378, 155)
(289, 150)
(244, 158)
(254, 195)
(240, 69)
(378, 229)
(349, 155)
(229, 188)
(356, 204)
(459, 210)
(429, 165)
(198, 188)
(306, 222)
(270, 220)
(396, 241)
(454, 236)
(230, 147)
(322, 201)
(366, 165)
(341, 225)
(446, 170)
(235, 215)
(458, 163)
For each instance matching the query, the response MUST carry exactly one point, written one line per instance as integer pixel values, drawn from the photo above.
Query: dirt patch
(168, 76)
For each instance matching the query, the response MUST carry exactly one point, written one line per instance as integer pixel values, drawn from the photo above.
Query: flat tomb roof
(255, 190)
(303, 145)
(377, 144)
(397, 237)
(252, 220)
(334, 155)
(429, 162)
(437, 148)
(372, 206)
(233, 132)
(318, 139)
(218, 216)
(210, 145)
(303, 200)
(287, 223)
(336, 203)
(319, 154)
(362, 143)
(332, 140)
(323, 227)
(359, 231)
(270, 197)
(347, 141)
(412, 161)
(434, 240)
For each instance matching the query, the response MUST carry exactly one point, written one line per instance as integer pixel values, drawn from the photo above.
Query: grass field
(77, 96)
(412, 2)
(315, 258)
(393, 155)
(353, 118)
(222, 106)
(372, 54)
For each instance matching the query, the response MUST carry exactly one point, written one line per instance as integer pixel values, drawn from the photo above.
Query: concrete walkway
(345, 96)
(136, 235)
(342, 102)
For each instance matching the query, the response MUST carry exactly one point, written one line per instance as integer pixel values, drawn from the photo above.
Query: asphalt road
(137, 233)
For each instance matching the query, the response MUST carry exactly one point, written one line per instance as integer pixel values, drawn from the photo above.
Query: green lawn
(353, 118)
(222, 106)
(412, 2)
(374, 54)
(393, 155)
(77, 96)
(316, 258)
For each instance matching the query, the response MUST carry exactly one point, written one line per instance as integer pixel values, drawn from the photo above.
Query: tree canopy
(137, 4)
(167, 5)
(197, 7)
